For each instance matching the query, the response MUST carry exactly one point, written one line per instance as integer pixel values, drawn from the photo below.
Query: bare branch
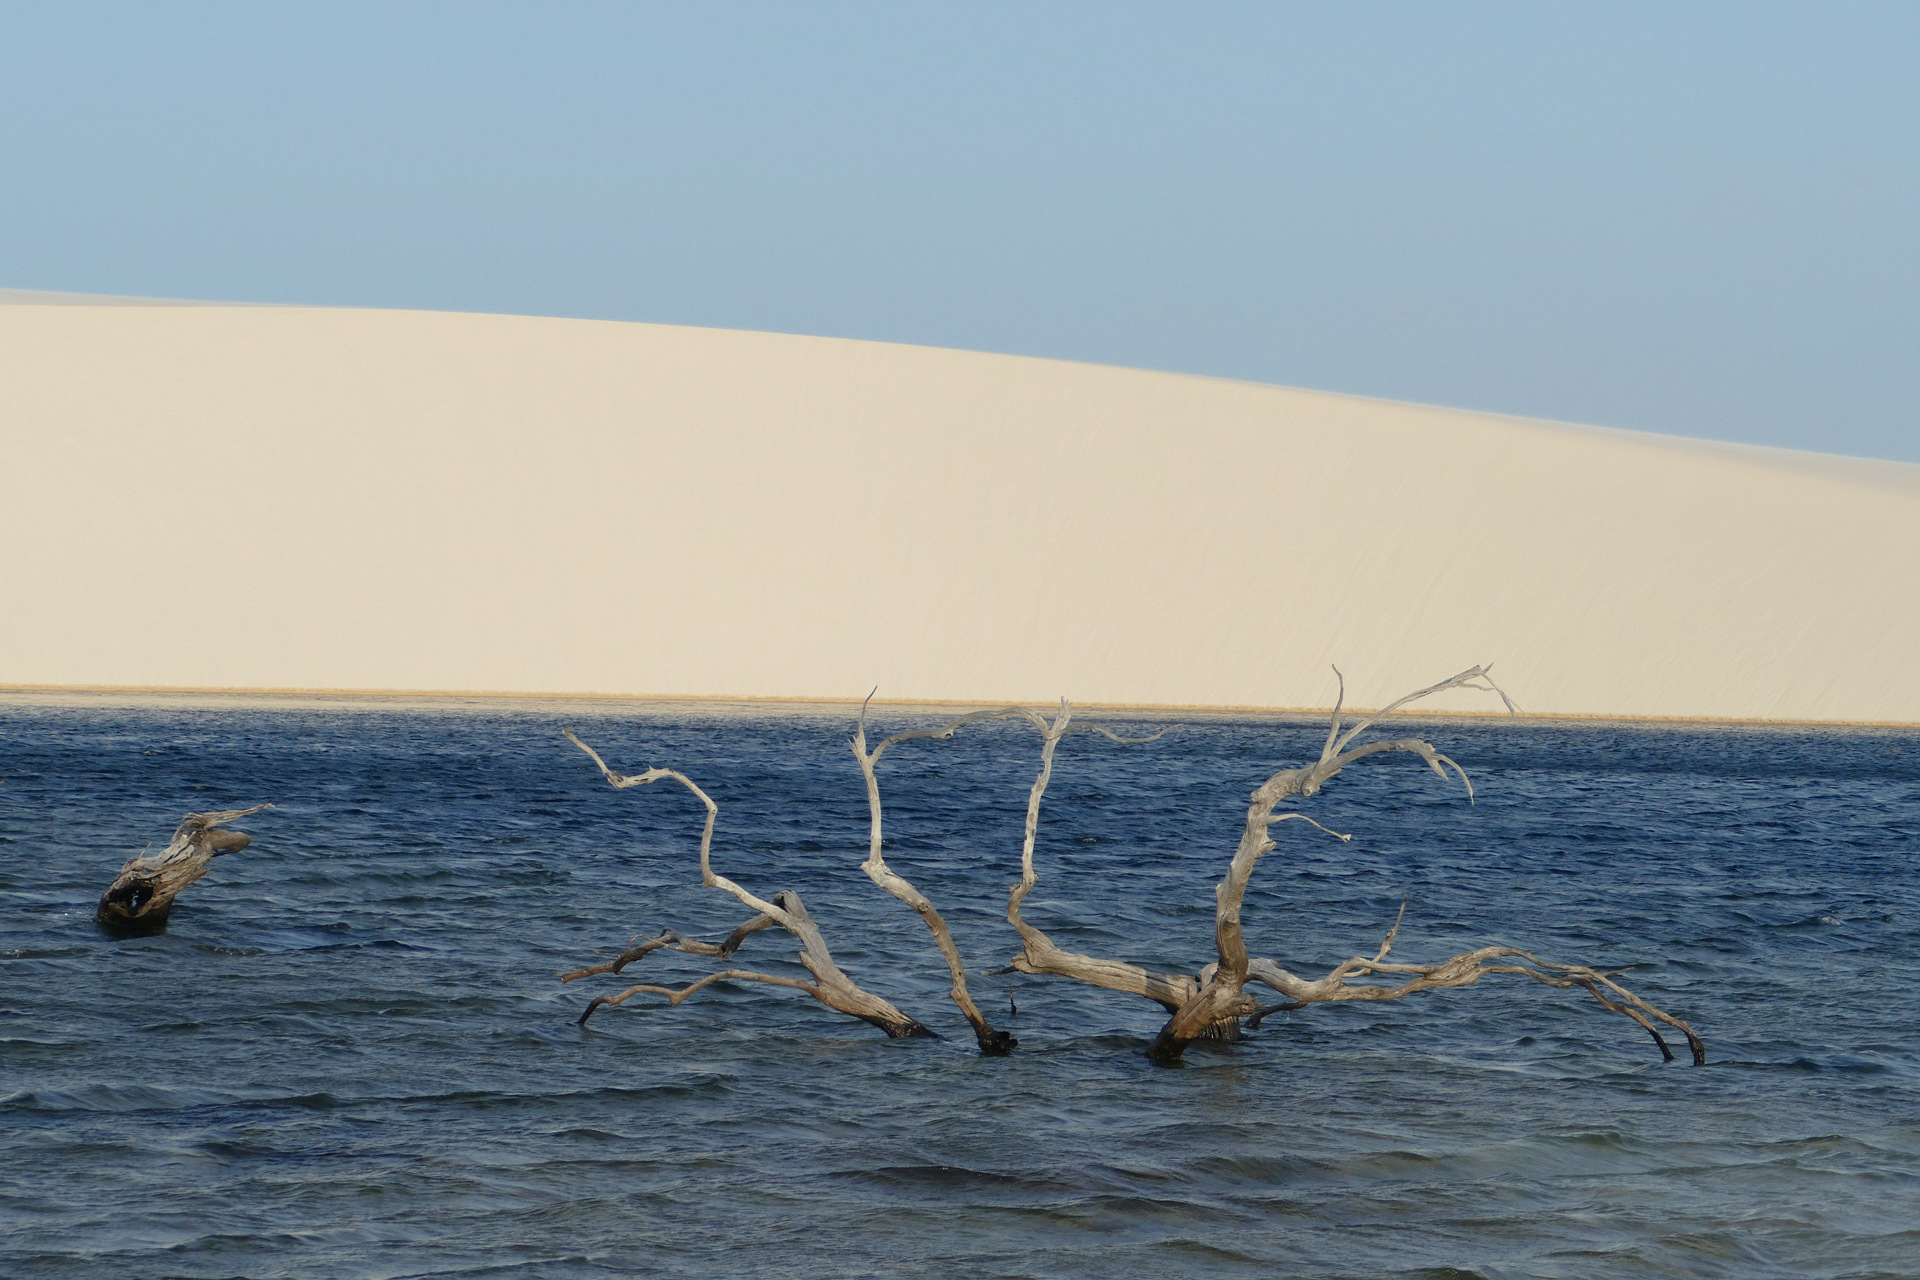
(1465, 680)
(1464, 970)
(1208, 1005)
(833, 987)
(1039, 954)
(675, 997)
(991, 1040)
(692, 946)
(624, 959)
(734, 939)
(1223, 996)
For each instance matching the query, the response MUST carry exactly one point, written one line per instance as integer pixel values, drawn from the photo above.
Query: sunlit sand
(292, 497)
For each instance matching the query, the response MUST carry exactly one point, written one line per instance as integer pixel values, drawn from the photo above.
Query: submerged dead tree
(1223, 992)
(1213, 1001)
(1038, 954)
(831, 986)
(140, 898)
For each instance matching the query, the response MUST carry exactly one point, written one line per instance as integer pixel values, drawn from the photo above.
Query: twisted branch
(992, 1042)
(1465, 970)
(1040, 956)
(831, 986)
(1222, 996)
(692, 946)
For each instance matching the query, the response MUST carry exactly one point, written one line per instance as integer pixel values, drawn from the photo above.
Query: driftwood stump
(140, 898)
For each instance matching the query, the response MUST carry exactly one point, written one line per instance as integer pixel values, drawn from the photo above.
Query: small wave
(1254, 1170)
(1207, 1252)
(106, 1097)
(1131, 1211)
(947, 1177)
(377, 944)
(25, 1045)
(589, 1135)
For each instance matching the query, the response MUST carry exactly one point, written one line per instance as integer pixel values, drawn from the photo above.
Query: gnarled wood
(831, 986)
(140, 899)
(692, 946)
(1223, 994)
(1038, 954)
(992, 1042)
(1464, 970)
(1208, 1005)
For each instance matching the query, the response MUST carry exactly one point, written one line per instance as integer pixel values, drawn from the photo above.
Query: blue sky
(1697, 219)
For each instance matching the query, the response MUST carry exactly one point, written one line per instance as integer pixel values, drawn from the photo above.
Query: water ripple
(348, 1056)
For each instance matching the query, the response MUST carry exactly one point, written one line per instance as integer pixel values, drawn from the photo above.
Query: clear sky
(1695, 219)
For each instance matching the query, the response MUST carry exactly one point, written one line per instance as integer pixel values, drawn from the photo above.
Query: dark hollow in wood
(139, 902)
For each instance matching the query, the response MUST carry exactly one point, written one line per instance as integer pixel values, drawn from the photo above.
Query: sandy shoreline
(135, 695)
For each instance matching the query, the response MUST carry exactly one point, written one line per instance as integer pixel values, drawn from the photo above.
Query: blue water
(348, 1057)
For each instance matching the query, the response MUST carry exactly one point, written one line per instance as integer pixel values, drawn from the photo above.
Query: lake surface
(349, 1056)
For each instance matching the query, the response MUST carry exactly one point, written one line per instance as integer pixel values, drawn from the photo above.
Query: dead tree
(140, 898)
(831, 986)
(1212, 1002)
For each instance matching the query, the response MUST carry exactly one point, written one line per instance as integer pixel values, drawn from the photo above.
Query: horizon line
(1223, 709)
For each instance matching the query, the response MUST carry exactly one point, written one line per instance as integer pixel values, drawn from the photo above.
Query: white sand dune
(303, 497)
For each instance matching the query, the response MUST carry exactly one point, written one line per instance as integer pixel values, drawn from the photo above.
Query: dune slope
(318, 498)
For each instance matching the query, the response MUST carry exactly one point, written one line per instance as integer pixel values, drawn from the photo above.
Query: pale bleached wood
(1038, 953)
(1223, 994)
(140, 899)
(637, 950)
(1207, 1005)
(992, 1042)
(1464, 970)
(831, 986)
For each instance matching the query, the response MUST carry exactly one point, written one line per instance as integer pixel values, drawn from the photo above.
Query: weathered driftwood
(831, 986)
(1222, 992)
(991, 1041)
(1210, 1004)
(1038, 954)
(140, 899)
(1463, 971)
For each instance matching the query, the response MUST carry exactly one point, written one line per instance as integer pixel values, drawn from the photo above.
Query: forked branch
(992, 1042)
(1223, 995)
(1105, 973)
(1038, 953)
(831, 986)
(1465, 970)
(638, 950)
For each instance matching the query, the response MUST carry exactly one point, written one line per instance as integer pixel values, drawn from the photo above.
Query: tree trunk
(140, 899)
